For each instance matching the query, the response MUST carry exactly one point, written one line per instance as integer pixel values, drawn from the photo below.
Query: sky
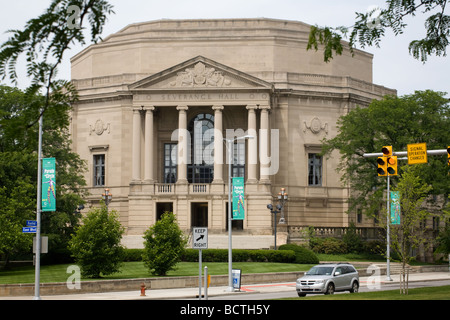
(393, 66)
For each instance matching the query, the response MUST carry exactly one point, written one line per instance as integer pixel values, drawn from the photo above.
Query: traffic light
(392, 165)
(387, 151)
(448, 155)
(382, 167)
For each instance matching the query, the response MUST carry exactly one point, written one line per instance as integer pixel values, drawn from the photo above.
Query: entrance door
(162, 207)
(199, 214)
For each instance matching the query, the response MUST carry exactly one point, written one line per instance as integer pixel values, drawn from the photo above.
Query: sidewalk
(189, 293)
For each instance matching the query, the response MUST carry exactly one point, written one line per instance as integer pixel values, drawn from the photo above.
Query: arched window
(201, 166)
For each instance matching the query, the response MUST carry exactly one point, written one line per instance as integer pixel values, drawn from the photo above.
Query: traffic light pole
(388, 205)
(405, 153)
(388, 222)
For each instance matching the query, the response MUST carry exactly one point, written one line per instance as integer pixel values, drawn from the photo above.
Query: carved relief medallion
(99, 127)
(315, 126)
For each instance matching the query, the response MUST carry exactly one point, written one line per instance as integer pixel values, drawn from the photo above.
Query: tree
(164, 244)
(409, 234)
(18, 166)
(96, 243)
(397, 121)
(17, 203)
(45, 39)
(443, 240)
(371, 26)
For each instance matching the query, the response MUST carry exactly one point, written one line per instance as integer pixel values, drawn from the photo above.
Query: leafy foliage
(397, 121)
(164, 245)
(18, 170)
(371, 26)
(96, 244)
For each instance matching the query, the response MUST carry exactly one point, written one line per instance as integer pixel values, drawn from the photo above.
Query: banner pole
(37, 279)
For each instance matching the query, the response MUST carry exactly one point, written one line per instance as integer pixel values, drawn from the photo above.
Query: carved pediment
(200, 72)
(201, 76)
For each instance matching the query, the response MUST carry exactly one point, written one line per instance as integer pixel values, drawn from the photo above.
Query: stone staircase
(396, 268)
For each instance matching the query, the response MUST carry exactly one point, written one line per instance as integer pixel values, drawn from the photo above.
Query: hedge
(302, 254)
(240, 255)
(290, 253)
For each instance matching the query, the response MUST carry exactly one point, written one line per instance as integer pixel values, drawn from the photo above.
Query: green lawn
(430, 293)
(130, 270)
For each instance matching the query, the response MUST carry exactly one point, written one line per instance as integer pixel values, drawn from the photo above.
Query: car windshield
(320, 271)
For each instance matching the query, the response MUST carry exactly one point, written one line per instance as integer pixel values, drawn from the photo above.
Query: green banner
(395, 207)
(238, 199)
(48, 185)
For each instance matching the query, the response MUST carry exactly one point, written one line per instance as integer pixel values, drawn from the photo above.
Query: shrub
(352, 240)
(302, 254)
(132, 254)
(164, 244)
(328, 246)
(96, 243)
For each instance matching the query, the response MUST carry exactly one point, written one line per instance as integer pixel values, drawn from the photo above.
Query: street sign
(44, 244)
(31, 223)
(417, 153)
(29, 229)
(200, 238)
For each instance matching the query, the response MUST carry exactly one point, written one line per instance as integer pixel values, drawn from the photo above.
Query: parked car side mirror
(337, 273)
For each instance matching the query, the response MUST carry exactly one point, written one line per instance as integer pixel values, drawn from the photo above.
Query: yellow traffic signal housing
(448, 155)
(382, 166)
(392, 165)
(387, 151)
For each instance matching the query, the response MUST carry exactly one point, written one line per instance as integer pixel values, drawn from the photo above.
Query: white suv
(328, 278)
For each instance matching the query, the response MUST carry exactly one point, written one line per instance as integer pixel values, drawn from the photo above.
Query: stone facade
(157, 98)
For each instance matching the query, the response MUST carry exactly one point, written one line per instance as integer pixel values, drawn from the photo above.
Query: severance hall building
(157, 99)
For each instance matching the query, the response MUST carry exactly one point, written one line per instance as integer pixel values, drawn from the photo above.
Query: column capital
(251, 107)
(137, 109)
(217, 108)
(149, 108)
(264, 107)
(182, 108)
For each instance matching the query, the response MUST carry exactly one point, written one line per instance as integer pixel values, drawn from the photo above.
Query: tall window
(314, 169)
(170, 164)
(201, 167)
(239, 159)
(99, 170)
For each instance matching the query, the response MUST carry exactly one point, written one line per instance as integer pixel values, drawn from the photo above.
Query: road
(283, 290)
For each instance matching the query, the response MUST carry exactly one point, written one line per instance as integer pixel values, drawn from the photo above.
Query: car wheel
(330, 289)
(355, 287)
(301, 294)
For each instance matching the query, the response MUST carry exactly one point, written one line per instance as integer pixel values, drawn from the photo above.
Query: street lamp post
(230, 161)
(282, 198)
(107, 197)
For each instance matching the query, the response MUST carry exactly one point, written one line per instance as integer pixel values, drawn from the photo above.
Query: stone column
(183, 145)
(149, 145)
(264, 141)
(218, 144)
(136, 145)
(252, 145)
